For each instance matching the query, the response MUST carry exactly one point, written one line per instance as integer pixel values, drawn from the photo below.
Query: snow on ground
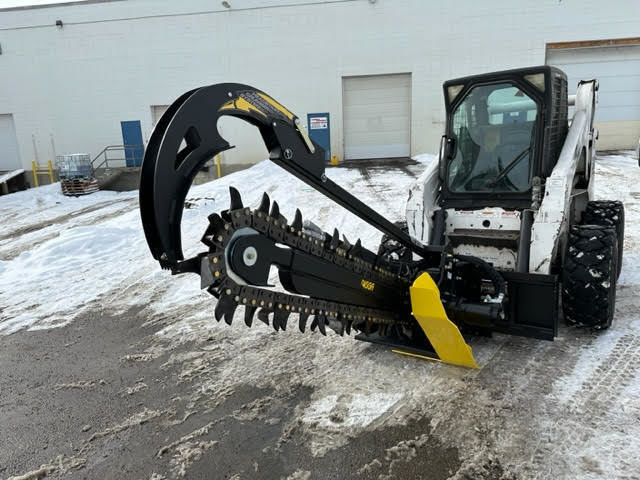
(564, 409)
(59, 253)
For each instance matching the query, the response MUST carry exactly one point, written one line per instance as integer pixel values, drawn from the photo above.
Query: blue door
(318, 127)
(132, 141)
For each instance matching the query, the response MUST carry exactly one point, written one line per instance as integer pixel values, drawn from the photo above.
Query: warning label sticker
(316, 123)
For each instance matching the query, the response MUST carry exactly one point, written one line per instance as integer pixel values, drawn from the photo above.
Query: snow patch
(357, 410)
(45, 287)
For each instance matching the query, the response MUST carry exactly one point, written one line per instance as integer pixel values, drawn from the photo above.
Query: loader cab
(503, 129)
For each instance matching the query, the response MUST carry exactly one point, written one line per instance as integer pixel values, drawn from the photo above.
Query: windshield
(494, 132)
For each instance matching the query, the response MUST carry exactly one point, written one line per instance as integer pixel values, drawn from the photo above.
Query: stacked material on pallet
(76, 174)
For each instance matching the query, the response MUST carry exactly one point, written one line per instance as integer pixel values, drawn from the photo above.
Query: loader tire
(390, 249)
(589, 276)
(609, 213)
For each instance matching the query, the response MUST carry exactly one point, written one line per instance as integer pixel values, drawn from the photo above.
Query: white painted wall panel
(111, 61)
(377, 116)
(9, 154)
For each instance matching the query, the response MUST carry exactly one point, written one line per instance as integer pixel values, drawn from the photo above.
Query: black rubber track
(589, 276)
(608, 213)
(391, 249)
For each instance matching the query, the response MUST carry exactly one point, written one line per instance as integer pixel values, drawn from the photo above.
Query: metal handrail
(111, 148)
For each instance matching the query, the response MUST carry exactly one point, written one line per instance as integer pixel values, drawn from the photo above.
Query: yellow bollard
(50, 171)
(334, 160)
(35, 173)
(218, 165)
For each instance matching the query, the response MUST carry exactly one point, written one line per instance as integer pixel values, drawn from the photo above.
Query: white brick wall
(111, 61)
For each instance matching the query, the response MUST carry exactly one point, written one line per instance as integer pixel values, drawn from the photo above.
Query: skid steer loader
(500, 232)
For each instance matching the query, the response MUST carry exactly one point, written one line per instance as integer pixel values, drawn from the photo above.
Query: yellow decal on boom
(367, 285)
(277, 106)
(243, 105)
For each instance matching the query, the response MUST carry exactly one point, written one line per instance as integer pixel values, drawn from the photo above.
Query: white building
(376, 66)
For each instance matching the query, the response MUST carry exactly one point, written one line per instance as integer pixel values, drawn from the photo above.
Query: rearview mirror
(447, 152)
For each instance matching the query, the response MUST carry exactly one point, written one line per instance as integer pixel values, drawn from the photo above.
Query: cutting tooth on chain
(215, 227)
(216, 222)
(249, 311)
(275, 323)
(275, 210)
(236, 199)
(297, 221)
(322, 324)
(264, 204)
(345, 243)
(226, 307)
(356, 250)
(263, 315)
(281, 316)
(335, 239)
(343, 326)
(302, 321)
(228, 315)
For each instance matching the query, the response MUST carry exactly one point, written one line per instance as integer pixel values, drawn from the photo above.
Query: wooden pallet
(78, 186)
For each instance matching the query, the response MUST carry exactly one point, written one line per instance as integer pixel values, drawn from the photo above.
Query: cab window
(494, 128)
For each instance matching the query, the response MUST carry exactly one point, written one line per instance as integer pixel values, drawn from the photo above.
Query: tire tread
(589, 276)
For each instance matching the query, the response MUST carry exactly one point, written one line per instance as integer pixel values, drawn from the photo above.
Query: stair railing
(103, 158)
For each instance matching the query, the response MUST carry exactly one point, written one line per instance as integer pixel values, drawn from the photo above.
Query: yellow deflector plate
(443, 334)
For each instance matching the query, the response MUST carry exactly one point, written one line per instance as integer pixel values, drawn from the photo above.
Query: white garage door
(618, 71)
(377, 116)
(9, 155)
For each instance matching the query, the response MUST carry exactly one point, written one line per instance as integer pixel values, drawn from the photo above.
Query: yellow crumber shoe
(443, 334)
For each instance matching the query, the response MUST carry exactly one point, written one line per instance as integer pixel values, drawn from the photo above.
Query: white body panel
(497, 218)
(421, 204)
(501, 258)
(551, 221)
(478, 223)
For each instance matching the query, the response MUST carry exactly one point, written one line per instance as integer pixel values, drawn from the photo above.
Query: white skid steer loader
(514, 186)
